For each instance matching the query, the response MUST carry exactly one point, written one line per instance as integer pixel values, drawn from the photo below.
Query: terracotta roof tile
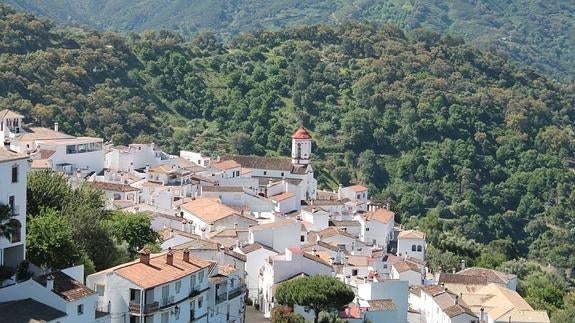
(411, 234)
(275, 224)
(493, 276)
(357, 188)
(116, 187)
(210, 210)
(66, 287)
(462, 279)
(225, 165)
(380, 215)
(158, 272)
(6, 155)
(301, 133)
(281, 197)
(222, 189)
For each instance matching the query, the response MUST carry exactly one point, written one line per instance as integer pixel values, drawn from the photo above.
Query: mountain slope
(470, 147)
(541, 34)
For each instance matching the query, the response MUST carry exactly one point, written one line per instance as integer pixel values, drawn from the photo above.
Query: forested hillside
(470, 147)
(539, 33)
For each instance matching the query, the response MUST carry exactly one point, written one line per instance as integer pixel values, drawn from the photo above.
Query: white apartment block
(13, 172)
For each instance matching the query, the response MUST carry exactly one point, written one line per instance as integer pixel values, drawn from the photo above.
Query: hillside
(470, 147)
(540, 34)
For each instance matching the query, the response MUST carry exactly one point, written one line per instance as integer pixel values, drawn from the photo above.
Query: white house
(195, 157)
(293, 263)
(341, 239)
(440, 305)
(356, 194)
(134, 156)
(168, 287)
(228, 290)
(316, 218)
(380, 310)
(412, 243)
(256, 254)
(56, 296)
(13, 172)
(376, 227)
(207, 215)
(407, 271)
(277, 235)
(376, 288)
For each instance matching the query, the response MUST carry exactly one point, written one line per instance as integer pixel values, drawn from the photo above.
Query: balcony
(167, 301)
(221, 298)
(236, 292)
(136, 308)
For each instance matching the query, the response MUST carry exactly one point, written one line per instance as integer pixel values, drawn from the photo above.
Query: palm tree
(8, 225)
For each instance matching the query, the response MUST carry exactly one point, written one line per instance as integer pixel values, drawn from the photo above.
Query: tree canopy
(319, 293)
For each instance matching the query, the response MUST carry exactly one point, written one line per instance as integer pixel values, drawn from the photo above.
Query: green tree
(284, 314)
(46, 190)
(8, 225)
(50, 241)
(319, 293)
(134, 228)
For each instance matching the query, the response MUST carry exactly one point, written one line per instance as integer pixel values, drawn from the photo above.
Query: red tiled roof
(66, 287)
(301, 133)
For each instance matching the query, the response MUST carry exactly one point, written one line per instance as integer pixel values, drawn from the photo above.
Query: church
(295, 174)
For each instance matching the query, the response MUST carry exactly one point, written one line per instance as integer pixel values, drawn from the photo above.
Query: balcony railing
(136, 308)
(236, 292)
(221, 298)
(167, 301)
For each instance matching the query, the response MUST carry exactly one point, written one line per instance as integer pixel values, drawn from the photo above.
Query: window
(366, 229)
(419, 248)
(354, 272)
(358, 196)
(201, 277)
(15, 174)
(413, 248)
(265, 173)
(282, 174)
(165, 317)
(100, 289)
(17, 235)
(178, 286)
(12, 204)
(302, 238)
(200, 302)
(193, 282)
(80, 309)
(237, 173)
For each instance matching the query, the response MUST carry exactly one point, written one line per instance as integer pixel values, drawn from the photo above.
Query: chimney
(145, 256)
(184, 222)
(50, 282)
(56, 126)
(453, 270)
(339, 192)
(456, 299)
(186, 257)
(462, 264)
(481, 314)
(170, 257)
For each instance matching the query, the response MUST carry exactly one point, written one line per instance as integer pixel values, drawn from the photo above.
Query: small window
(419, 248)
(15, 174)
(265, 173)
(302, 238)
(384, 266)
(366, 229)
(200, 302)
(413, 248)
(201, 277)
(193, 281)
(100, 289)
(80, 309)
(178, 286)
(354, 272)
(282, 174)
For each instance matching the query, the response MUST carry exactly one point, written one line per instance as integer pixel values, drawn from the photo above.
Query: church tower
(300, 147)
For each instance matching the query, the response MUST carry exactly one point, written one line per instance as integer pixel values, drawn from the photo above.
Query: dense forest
(468, 146)
(539, 33)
